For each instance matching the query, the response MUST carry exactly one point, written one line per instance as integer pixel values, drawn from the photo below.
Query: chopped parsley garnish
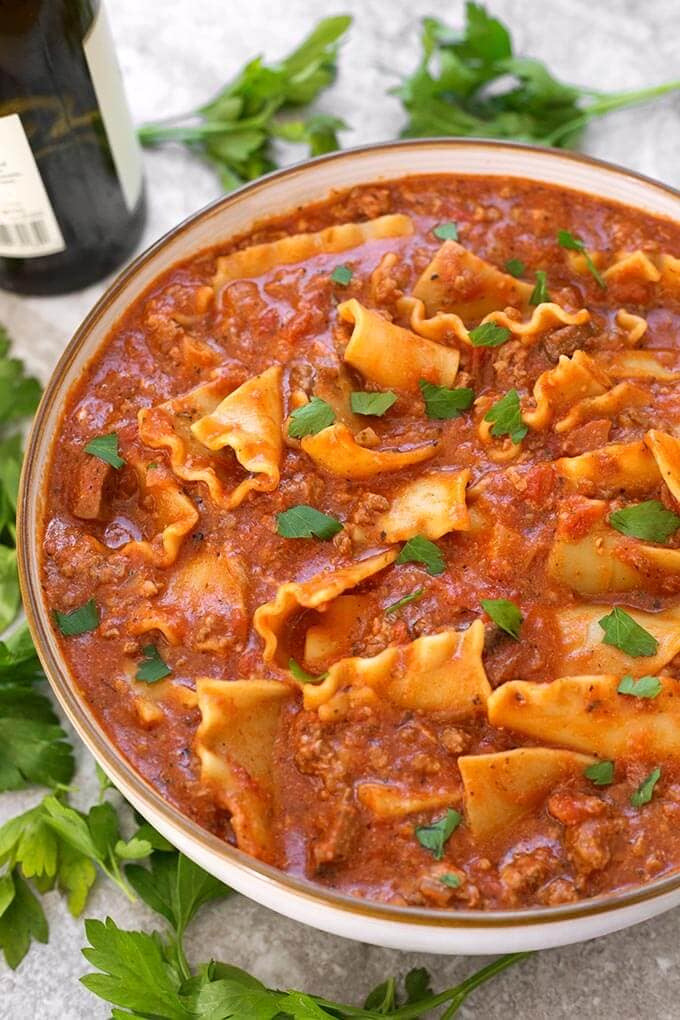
(453, 881)
(489, 334)
(621, 631)
(304, 521)
(372, 403)
(645, 790)
(414, 596)
(645, 687)
(649, 520)
(441, 403)
(505, 614)
(152, 668)
(302, 676)
(421, 550)
(446, 231)
(310, 418)
(540, 292)
(506, 414)
(106, 448)
(433, 837)
(78, 621)
(342, 275)
(601, 773)
(515, 267)
(567, 240)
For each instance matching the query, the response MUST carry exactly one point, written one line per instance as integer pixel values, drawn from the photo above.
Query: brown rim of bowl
(93, 735)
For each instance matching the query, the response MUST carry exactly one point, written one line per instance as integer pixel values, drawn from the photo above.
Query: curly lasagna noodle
(361, 536)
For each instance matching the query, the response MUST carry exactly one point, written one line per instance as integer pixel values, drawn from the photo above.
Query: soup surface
(361, 537)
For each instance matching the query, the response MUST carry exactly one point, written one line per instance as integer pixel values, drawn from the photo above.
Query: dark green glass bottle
(72, 204)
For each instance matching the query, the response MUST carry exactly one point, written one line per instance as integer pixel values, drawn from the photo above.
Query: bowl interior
(233, 215)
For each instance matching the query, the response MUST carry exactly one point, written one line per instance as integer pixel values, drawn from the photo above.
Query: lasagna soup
(361, 541)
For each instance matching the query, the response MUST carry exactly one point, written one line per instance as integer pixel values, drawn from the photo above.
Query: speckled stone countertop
(175, 53)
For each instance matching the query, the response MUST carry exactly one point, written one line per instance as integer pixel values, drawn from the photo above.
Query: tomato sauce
(581, 839)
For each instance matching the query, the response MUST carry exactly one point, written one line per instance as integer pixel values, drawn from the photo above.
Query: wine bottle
(72, 203)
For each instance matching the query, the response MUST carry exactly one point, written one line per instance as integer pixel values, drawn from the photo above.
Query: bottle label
(28, 226)
(108, 86)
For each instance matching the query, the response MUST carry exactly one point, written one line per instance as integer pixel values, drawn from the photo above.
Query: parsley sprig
(146, 975)
(471, 83)
(53, 845)
(236, 130)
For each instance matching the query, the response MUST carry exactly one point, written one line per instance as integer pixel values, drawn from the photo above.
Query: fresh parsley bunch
(235, 131)
(147, 976)
(471, 83)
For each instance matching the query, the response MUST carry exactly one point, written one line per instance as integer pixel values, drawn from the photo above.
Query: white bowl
(408, 928)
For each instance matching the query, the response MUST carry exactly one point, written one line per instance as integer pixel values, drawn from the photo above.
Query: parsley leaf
(441, 403)
(175, 887)
(136, 975)
(304, 521)
(446, 231)
(569, 241)
(372, 403)
(342, 275)
(645, 790)
(235, 131)
(21, 919)
(302, 676)
(649, 520)
(453, 881)
(506, 414)
(515, 267)
(489, 334)
(414, 596)
(78, 621)
(505, 614)
(318, 131)
(106, 449)
(621, 631)
(152, 668)
(383, 998)
(421, 550)
(19, 393)
(601, 773)
(310, 418)
(10, 597)
(95, 836)
(540, 292)
(33, 746)
(645, 687)
(433, 837)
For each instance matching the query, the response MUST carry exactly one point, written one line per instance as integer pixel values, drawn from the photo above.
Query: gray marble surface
(175, 53)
